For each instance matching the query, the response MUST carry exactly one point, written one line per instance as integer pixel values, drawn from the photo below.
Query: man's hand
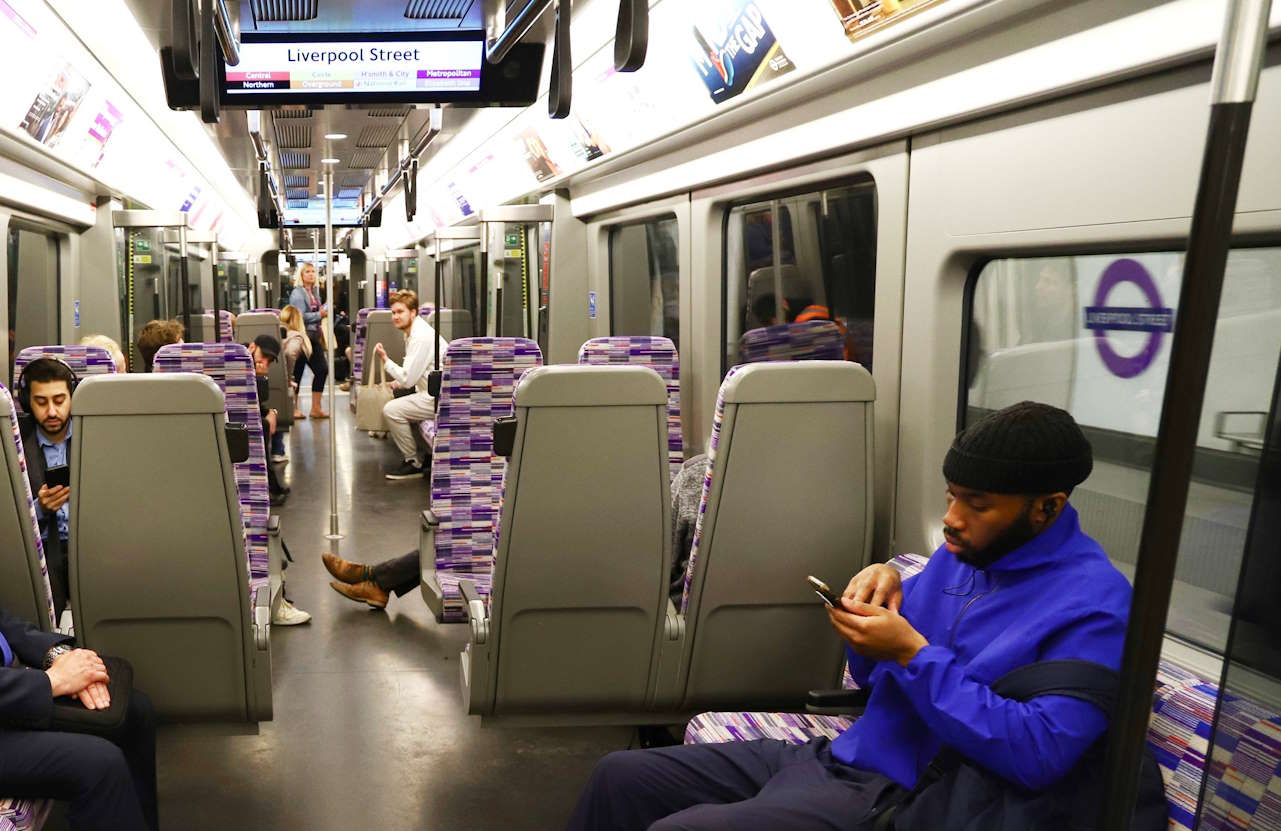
(95, 697)
(75, 672)
(271, 421)
(877, 633)
(395, 385)
(379, 351)
(51, 499)
(879, 585)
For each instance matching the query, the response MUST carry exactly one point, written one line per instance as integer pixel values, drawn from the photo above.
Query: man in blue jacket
(1016, 582)
(110, 786)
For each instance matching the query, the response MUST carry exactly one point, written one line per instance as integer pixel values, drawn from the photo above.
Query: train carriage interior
(463, 391)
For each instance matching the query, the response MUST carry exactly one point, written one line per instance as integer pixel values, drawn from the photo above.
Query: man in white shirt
(421, 345)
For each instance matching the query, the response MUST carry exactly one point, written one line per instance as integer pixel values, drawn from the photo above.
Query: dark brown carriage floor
(369, 730)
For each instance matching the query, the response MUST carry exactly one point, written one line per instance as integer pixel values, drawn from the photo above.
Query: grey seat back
(24, 577)
(279, 393)
(379, 329)
(452, 324)
(157, 552)
(579, 588)
(788, 494)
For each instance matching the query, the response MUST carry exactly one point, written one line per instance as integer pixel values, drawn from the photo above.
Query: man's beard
(1020, 532)
(53, 430)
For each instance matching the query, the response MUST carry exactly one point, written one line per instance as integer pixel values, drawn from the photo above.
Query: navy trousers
(399, 575)
(740, 786)
(110, 784)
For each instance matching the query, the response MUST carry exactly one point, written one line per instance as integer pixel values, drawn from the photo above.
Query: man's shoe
(287, 614)
(366, 592)
(345, 570)
(277, 499)
(407, 470)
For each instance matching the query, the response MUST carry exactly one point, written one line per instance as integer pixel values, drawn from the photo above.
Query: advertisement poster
(55, 105)
(862, 17)
(735, 49)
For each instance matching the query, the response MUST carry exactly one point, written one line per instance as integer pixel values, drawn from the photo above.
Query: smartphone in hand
(824, 592)
(58, 477)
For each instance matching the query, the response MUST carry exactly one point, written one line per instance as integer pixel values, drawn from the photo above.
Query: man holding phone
(44, 390)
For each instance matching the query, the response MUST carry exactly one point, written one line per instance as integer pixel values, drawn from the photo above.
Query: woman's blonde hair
(306, 266)
(104, 342)
(291, 319)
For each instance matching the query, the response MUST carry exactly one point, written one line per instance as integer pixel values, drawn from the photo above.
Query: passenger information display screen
(377, 68)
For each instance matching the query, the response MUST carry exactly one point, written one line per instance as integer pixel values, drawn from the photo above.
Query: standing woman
(306, 300)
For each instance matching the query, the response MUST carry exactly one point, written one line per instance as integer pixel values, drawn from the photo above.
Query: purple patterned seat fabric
(9, 406)
(231, 368)
(813, 340)
(83, 360)
(23, 814)
(358, 355)
(478, 387)
(225, 324)
(426, 310)
(659, 354)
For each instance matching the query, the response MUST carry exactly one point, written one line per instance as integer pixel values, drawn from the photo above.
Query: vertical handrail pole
(1235, 80)
(334, 534)
(184, 281)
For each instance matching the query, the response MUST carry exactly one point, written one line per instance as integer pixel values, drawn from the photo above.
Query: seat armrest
(273, 525)
(505, 436)
(237, 442)
(836, 702)
(262, 619)
(674, 625)
(475, 611)
(430, 520)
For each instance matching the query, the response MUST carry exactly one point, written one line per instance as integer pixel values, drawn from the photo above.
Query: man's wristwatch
(54, 653)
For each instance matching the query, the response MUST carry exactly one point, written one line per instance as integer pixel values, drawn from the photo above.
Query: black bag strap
(1084, 680)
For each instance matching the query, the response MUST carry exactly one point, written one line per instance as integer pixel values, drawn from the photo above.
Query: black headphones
(22, 389)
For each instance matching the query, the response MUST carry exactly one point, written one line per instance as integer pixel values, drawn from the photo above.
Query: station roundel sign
(1155, 318)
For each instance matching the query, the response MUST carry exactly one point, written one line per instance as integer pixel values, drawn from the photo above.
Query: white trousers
(399, 412)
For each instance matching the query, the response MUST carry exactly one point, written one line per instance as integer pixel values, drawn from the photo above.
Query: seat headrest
(577, 385)
(258, 319)
(799, 382)
(379, 316)
(178, 393)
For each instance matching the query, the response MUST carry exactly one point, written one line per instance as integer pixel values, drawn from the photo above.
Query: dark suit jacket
(26, 700)
(55, 551)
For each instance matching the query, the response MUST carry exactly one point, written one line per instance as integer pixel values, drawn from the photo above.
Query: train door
(34, 276)
(154, 277)
(825, 240)
(461, 284)
(402, 270)
(517, 288)
(639, 284)
(232, 283)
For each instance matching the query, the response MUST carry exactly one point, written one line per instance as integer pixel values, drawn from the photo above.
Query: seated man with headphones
(44, 390)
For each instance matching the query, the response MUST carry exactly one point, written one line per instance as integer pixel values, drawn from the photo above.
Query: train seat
(157, 550)
(378, 329)
(798, 291)
(269, 310)
(578, 590)
(358, 354)
(202, 329)
(458, 531)
(813, 340)
(451, 324)
(24, 575)
(229, 366)
(83, 360)
(280, 390)
(770, 490)
(660, 355)
(225, 322)
(23, 814)
(426, 310)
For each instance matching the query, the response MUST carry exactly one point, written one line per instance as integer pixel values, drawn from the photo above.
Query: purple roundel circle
(1128, 271)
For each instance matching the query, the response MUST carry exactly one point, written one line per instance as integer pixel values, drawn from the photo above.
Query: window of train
(826, 265)
(461, 286)
(33, 261)
(1091, 334)
(644, 278)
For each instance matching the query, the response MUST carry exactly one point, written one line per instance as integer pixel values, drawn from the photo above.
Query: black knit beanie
(1026, 448)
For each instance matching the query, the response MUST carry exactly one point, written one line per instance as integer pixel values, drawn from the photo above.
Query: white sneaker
(287, 614)
(279, 457)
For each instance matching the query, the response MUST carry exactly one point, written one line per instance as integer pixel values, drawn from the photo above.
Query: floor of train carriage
(369, 730)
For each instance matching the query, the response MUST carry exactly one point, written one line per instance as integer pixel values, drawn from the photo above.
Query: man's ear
(1050, 506)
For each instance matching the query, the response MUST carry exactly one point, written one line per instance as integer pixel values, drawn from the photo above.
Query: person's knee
(392, 411)
(102, 766)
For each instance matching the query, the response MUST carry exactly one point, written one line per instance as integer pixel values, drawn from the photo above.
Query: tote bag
(370, 402)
